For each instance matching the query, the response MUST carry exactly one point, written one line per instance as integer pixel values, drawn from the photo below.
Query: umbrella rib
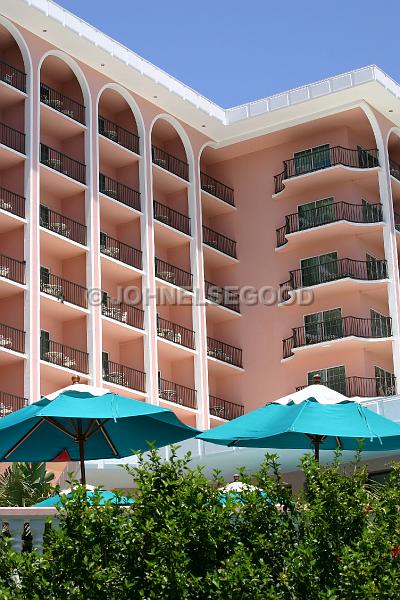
(89, 434)
(59, 426)
(107, 437)
(25, 437)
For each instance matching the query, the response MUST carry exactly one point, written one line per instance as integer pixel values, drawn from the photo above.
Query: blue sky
(233, 52)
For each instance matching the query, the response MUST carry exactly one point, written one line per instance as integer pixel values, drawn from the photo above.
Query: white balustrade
(37, 517)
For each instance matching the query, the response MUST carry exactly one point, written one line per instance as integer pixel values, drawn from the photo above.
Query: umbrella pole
(317, 441)
(81, 441)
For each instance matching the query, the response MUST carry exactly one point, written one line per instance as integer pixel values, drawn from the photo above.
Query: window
(312, 159)
(371, 213)
(44, 275)
(322, 326)
(385, 382)
(366, 160)
(376, 269)
(103, 240)
(44, 216)
(316, 213)
(319, 269)
(334, 378)
(380, 325)
(104, 298)
(44, 154)
(44, 344)
(105, 364)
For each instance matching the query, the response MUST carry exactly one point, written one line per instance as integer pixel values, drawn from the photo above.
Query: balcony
(12, 338)
(9, 403)
(173, 275)
(12, 269)
(12, 203)
(62, 104)
(172, 332)
(62, 163)
(119, 135)
(124, 313)
(170, 163)
(323, 159)
(335, 329)
(12, 138)
(394, 169)
(13, 76)
(176, 393)
(221, 296)
(57, 223)
(64, 356)
(120, 251)
(224, 409)
(63, 290)
(219, 242)
(224, 352)
(364, 387)
(124, 376)
(331, 213)
(171, 217)
(217, 189)
(118, 191)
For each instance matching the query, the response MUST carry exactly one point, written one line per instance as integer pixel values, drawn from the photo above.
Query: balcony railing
(62, 104)
(176, 393)
(333, 271)
(323, 159)
(334, 329)
(124, 313)
(54, 221)
(13, 76)
(225, 352)
(171, 217)
(118, 134)
(219, 242)
(62, 163)
(10, 403)
(365, 387)
(118, 191)
(64, 356)
(224, 297)
(12, 338)
(12, 203)
(394, 169)
(13, 269)
(120, 251)
(124, 376)
(175, 333)
(63, 290)
(224, 409)
(331, 213)
(170, 163)
(12, 138)
(216, 188)
(173, 275)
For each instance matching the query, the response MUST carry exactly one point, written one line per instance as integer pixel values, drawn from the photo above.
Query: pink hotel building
(136, 217)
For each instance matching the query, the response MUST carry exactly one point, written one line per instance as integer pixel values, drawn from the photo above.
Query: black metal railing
(64, 356)
(54, 221)
(12, 338)
(120, 251)
(171, 217)
(124, 376)
(170, 163)
(10, 403)
(224, 409)
(12, 76)
(219, 242)
(222, 296)
(173, 274)
(365, 387)
(337, 211)
(225, 352)
(55, 99)
(175, 333)
(119, 135)
(13, 269)
(334, 329)
(119, 191)
(62, 163)
(323, 159)
(176, 393)
(12, 203)
(124, 313)
(333, 271)
(216, 188)
(394, 169)
(63, 290)
(12, 138)
(397, 221)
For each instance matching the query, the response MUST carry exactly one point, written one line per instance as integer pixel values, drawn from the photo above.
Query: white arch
(183, 137)
(22, 45)
(132, 105)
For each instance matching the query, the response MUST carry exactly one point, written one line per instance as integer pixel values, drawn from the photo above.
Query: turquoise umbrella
(313, 417)
(103, 496)
(83, 422)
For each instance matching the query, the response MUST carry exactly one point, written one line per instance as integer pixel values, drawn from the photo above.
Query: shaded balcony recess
(335, 329)
(62, 104)
(174, 275)
(120, 251)
(57, 223)
(64, 356)
(170, 163)
(12, 338)
(9, 403)
(12, 138)
(333, 271)
(224, 352)
(224, 297)
(331, 213)
(124, 313)
(323, 159)
(12, 76)
(62, 163)
(63, 290)
(167, 330)
(119, 191)
(123, 375)
(12, 202)
(394, 169)
(397, 221)
(365, 387)
(173, 218)
(13, 269)
(219, 242)
(217, 189)
(224, 409)
(176, 393)
(119, 135)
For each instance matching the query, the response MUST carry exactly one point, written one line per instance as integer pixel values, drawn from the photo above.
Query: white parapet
(35, 516)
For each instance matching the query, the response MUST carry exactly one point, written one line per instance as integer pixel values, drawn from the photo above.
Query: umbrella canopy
(103, 495)
(307, 419)
(84, 422)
